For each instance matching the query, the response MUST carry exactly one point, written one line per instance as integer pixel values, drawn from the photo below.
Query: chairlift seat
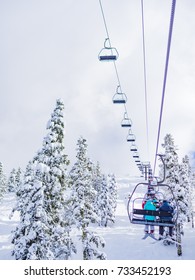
(152, 212)
(135, 155)
(107, 57)
(119, 98)
(119, 101)
(133, 148)
(125, 124)
(152, 223)
(156, 213)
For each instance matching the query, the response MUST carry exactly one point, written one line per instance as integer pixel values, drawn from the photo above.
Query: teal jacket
(149, 206)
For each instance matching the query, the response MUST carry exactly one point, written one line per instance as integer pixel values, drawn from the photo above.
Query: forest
(59, 203)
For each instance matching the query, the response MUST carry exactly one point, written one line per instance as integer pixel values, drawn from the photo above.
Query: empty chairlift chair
(130, 136)
(119, 97)
(126, 122)
(108, 53)
(135, 155)
(133, 148)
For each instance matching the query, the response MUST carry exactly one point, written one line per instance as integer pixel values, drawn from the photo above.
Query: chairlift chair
(135, 155)
(108, 53)
(126, 122)
(130, 136)
(119, 97)
(137, 214)
(133, 148)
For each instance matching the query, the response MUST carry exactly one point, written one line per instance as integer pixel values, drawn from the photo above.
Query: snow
(123, 240)
(7, 225)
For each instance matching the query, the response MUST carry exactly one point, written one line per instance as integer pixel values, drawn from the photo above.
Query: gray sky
(49, 49)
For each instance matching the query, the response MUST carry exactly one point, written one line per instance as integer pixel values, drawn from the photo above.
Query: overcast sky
(49, 49)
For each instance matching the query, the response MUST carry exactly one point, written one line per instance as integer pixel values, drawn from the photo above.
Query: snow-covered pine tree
(172, 179)
(11, 183)
(105, 203)
(82, 203)
(185, 188)
(182, 195)
(18, 180)
(26, 186)
(17, 185)
(3, 183)
(105, 200)
(31, 238)
(97, 185)
(55, 181)
(171, 162)
(112, 186)
(42, 217)
(192, 180)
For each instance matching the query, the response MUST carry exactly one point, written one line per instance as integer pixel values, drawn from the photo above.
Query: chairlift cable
(165, 77)
(115, 66)
(145, 77)
(104, 19)
(108, 36)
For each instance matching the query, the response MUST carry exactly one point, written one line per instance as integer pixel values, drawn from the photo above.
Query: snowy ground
(123, 240)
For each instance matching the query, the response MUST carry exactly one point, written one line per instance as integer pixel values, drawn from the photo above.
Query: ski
(149, 235)
(145, 236)
(153, 237)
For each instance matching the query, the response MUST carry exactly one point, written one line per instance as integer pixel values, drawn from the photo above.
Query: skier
(151, 195)
(149, 206)
(166, 207)
(154, 199)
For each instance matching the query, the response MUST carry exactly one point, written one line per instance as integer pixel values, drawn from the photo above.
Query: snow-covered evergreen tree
(192, 194)
(185, 180)
(171, 162)
(32, 238)
(82, 203)
(17, 185)
(112, 185)
(182, 193)
(11, 184)
(55, 182)
(3, 184)
(47, 213)
(18, 180)
(97, 185)
(173, 180)
(105, 201)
